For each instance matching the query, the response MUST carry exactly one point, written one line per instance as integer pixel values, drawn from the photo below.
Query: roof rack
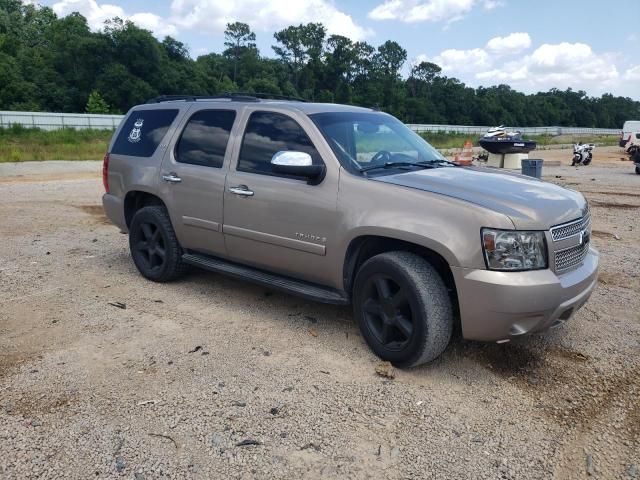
(233, 96)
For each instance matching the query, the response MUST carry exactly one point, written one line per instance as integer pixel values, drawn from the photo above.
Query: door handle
(242, 190)
(171, 178)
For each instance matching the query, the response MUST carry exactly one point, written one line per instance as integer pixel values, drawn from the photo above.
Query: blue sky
(532, 46)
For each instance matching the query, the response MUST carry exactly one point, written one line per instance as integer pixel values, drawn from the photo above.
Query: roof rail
(193, 98)
(275, 96)
(233, 96)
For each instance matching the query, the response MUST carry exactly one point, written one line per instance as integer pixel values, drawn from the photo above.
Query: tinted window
(204, 139)
(268, 133)
(142, 132)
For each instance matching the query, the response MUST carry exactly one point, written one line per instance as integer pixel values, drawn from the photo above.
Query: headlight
(514, 250)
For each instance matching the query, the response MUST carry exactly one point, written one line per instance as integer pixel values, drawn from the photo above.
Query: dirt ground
(104, 374)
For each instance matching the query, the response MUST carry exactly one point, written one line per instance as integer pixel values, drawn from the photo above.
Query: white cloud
(509, 45)
(560, 65)
(453, 60)
(410, 11)
(633, 74)
(491, 4)
(96, 14)
(208, 15)
(153, 22)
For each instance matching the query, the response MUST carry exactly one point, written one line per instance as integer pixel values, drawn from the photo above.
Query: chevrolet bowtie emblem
(584, 237)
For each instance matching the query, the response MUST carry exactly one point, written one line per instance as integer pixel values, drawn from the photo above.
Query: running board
(300, 288)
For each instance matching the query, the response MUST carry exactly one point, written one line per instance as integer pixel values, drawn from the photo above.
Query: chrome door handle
(171, 178)
(241, 190)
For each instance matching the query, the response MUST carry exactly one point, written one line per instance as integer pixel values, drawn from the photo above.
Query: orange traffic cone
(466, 157)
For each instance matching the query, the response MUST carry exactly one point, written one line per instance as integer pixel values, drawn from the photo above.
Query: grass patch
(20, 144)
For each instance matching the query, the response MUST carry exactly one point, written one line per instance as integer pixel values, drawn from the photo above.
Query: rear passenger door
(192, 179)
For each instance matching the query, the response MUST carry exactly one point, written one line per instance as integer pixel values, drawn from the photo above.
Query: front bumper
(497, 306)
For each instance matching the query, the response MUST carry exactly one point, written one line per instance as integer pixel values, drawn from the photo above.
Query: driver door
(274, 221)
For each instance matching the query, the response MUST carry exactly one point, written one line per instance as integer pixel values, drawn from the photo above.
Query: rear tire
(154, 246)
(403, 308)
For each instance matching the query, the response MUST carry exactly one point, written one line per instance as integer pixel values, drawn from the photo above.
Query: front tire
(403, 308)
(154, 246)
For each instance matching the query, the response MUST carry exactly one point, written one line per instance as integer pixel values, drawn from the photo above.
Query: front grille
(570, 257)
(570, 229)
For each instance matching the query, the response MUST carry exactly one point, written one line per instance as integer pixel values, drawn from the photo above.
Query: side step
(300, 288)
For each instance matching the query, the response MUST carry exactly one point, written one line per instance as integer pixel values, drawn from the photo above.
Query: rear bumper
(498, 306)
(114, 210)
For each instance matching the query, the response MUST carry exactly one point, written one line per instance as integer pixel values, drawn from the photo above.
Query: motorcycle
(582, 153)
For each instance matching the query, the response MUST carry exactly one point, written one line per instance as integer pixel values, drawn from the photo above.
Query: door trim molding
(292, 243)
(200, 223)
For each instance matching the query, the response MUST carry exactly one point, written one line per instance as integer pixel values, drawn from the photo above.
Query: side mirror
(299, 164)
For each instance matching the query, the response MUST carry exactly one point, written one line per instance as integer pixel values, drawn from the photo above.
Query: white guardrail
(475, 130)
(57, 121)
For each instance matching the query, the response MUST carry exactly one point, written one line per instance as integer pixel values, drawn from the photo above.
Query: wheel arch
(364, 247)
(134, 200)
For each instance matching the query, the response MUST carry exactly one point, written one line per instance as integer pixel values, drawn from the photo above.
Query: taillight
(105, 172)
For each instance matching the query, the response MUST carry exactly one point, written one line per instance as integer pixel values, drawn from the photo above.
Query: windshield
(365, 139)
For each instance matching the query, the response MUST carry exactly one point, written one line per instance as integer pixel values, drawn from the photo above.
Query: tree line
(58, 64)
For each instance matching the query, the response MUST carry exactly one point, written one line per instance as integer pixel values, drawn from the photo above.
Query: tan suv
(342, 204)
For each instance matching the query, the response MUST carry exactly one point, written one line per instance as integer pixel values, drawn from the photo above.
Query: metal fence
(57, 121)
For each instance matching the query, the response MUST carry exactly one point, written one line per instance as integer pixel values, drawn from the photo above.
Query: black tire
(154, 247)
(638, 169)
(393, 288)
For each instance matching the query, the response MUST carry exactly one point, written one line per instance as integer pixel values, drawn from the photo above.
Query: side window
(267, 133)
(205, 137)
(142, 132)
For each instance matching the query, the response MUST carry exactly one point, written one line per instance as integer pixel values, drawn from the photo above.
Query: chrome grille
(570, 257)
(566, 230)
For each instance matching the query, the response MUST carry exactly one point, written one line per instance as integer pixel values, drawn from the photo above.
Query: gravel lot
(104, 374)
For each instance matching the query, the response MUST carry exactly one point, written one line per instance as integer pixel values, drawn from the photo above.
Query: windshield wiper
(440, 161)
(424, 164)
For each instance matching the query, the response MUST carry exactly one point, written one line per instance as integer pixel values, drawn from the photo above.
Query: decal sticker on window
(136, 132)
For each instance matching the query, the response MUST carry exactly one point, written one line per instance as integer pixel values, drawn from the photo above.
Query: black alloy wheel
(150, 249)
(387, 312)
(403, 308)
(154, 246)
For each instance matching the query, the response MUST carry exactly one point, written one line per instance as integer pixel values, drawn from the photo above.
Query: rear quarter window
(143, 131)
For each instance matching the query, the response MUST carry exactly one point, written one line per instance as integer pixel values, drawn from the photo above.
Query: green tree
(175, 50)
(299, 45)
(237, 38)
(56, 64)
(96, 104)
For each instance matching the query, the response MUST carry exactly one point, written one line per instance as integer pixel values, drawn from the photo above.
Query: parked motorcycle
(582, 153)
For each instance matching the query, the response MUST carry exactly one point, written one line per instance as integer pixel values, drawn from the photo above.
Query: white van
(630, 133)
